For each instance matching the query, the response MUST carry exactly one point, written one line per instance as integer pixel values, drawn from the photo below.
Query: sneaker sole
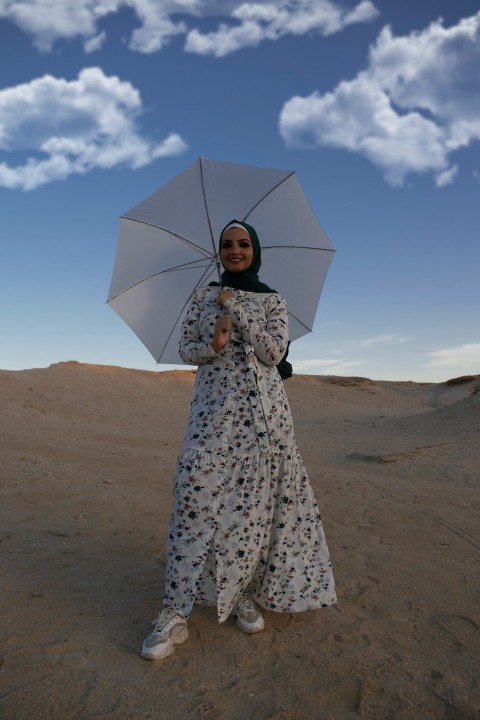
(250, 628)
(168, 647)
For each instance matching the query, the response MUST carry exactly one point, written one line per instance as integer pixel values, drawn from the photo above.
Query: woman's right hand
(221, 333)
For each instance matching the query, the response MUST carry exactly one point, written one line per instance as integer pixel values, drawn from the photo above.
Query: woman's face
(236, 251)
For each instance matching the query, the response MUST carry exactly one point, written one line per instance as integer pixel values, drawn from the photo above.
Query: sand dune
(88, 454)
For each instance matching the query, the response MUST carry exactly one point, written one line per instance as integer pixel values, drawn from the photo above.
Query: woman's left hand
(223, 296)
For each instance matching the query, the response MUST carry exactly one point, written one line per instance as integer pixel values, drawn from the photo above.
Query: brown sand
(88, 454)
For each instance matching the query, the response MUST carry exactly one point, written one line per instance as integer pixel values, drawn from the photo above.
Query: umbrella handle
(225, 311)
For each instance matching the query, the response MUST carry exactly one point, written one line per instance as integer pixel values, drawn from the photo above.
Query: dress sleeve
(269, 339)
(193, 350)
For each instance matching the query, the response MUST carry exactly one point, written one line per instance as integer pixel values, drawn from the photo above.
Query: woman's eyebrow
(240, 240)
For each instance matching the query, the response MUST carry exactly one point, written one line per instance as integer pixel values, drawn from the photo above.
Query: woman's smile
(236, 252)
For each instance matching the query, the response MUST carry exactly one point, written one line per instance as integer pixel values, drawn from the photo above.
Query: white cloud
(74, 126)
(325, 366)
(273, 20)
(50, 20)
(416, 103)
(464, 358)
(95, 43)
(248, 22)
(388, 339)
(447, 177)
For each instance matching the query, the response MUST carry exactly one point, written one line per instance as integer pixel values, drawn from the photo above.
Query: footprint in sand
(205, 710)
(462, 629)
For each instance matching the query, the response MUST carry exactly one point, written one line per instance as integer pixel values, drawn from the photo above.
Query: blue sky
(376, 105)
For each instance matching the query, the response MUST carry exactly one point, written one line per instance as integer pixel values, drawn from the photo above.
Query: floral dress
(244, 515)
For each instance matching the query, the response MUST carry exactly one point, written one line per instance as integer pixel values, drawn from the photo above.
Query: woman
(244, 515)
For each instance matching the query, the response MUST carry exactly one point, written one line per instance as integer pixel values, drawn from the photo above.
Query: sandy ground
(88, 454)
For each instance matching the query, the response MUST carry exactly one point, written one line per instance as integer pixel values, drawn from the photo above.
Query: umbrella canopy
(168, 247)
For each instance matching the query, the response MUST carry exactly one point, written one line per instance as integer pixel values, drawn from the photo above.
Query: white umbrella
(168, 247)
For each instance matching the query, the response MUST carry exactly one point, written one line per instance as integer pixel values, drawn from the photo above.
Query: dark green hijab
(248, 280)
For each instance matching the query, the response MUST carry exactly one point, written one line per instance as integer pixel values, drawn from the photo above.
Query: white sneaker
(170, 630)
(249, 619)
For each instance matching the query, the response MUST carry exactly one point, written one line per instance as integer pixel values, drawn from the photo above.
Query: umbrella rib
(186, 266)
(208, 218)
(197, 285)
(292, 172)
(300, 321)
(199, 248)
(296, 247)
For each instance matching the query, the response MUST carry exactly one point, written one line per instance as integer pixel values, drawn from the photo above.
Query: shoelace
(245, 602)
(166, 615)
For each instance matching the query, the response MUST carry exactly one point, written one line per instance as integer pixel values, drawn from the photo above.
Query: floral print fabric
(244, 514)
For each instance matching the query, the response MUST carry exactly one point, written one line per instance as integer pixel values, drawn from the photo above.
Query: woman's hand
(221, 333)
(223, 296)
